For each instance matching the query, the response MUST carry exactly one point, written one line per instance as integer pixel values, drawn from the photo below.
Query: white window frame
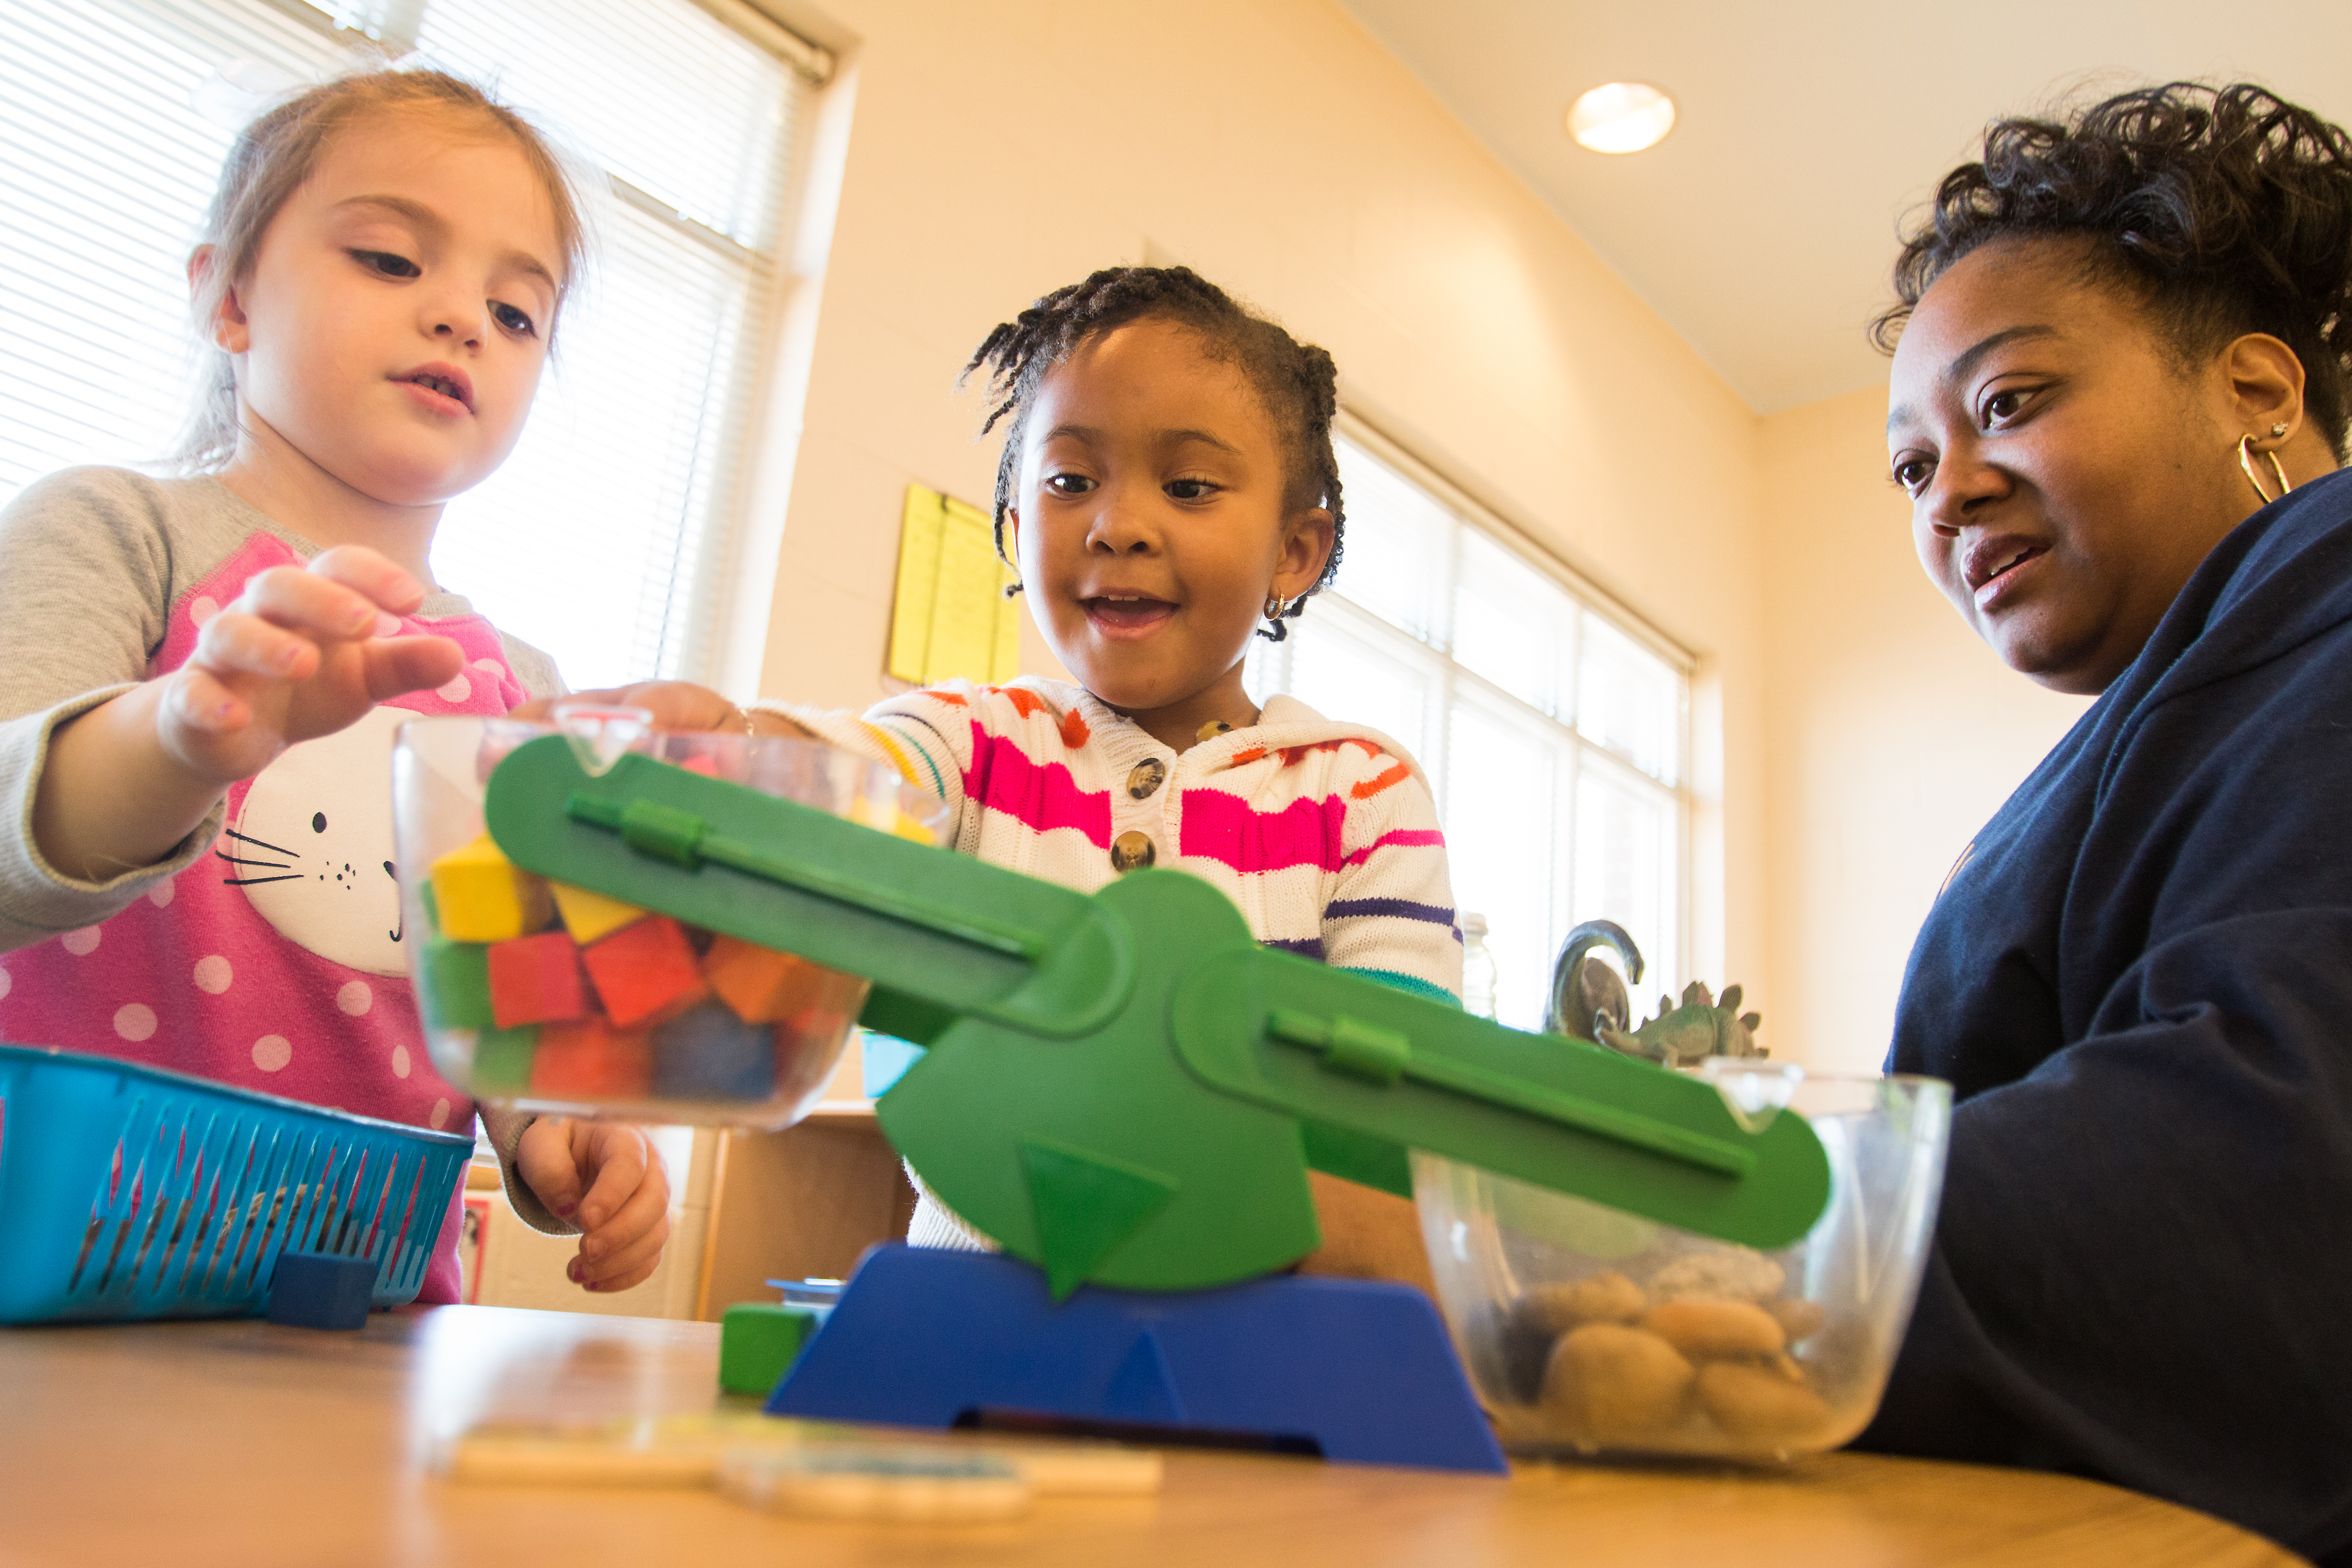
(1458, 685)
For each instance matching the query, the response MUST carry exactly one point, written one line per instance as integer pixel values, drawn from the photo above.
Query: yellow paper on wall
(918, 579)
(964, 619)
(949, 616)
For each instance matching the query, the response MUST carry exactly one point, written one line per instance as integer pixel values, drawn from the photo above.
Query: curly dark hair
(2225, 210)
(1298, 382)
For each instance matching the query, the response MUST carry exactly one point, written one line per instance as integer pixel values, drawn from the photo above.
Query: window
(606, 539)
(1552, 730)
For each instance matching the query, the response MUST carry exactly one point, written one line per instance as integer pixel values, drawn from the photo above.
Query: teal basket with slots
(129, 1192)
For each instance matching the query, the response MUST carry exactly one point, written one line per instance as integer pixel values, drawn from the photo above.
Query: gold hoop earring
(1274, 608)
(2246, 461)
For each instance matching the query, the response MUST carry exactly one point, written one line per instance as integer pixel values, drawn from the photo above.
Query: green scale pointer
(1123, 1086)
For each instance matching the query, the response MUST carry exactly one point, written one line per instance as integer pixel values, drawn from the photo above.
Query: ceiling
(1763, 227)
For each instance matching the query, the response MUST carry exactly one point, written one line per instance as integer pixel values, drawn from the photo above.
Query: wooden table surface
(243, 1442)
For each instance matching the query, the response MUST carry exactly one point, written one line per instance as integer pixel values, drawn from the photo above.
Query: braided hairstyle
(2225, 210)
(1297, 381)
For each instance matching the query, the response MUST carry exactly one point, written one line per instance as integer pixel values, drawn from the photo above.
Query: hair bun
(2227, 208)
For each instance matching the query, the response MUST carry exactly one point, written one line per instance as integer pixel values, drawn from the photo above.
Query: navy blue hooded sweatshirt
(2138, 980)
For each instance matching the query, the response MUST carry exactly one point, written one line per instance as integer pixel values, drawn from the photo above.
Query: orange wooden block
(593, 1060)
(761, 985)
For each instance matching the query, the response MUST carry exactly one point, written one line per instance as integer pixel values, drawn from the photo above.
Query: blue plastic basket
(128, 1191)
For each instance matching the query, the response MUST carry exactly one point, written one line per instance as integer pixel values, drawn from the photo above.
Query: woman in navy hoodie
(2118, 407)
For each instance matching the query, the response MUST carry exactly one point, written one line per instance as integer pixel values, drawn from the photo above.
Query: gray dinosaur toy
(1590, 1002)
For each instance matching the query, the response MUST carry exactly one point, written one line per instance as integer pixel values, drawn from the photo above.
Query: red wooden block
(536, 980)
(708, 767)
(593, 1060)
(645, 972)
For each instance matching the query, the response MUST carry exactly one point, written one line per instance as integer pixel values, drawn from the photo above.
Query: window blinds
(605, 539)
(1553, 736)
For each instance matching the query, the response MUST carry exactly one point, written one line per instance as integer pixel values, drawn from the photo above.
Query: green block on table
(759, 1341)
(503, 1059)
(458, 985)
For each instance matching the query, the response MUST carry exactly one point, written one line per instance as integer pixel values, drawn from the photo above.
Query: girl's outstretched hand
(301, 653)
(679, 705)
(605, 1178)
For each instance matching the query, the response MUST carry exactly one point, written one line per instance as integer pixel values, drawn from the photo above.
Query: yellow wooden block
(589, 916)
(478, 895)
(889, 819)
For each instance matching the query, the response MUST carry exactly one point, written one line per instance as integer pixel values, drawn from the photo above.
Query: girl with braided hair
(2119, 405)
(1168, 488)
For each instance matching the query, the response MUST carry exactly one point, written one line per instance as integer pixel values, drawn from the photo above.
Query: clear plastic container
(549, 998)
(1588, 1330)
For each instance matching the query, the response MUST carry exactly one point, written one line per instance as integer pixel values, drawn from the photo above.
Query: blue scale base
(1358, 1371)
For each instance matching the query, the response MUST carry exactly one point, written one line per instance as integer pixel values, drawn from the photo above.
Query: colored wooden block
(708, 767)
(502, 1061)
(478, 895)
(761, 985)
(322, 1290)
(759, 1341)
(457, 991)
(708, 1053)
(593, 1060)
(645, 972)
(591, 916)
(537, 980)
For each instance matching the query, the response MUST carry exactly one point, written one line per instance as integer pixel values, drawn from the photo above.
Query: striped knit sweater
(1323, 834)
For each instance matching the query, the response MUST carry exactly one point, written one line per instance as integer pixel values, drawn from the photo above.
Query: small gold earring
(1274, 608)
(2246, 461)
(2278, 430)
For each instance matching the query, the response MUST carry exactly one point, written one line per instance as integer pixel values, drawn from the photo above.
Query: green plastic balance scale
(1123, 1088)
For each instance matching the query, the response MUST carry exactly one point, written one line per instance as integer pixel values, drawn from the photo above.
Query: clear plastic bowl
(535, 996)
(1588, 1330)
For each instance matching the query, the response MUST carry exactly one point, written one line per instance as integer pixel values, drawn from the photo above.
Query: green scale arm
(1124, 1086)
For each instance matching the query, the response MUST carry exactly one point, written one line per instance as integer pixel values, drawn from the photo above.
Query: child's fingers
(309, 602)
(394, 665)
(630, 1186)
(233, 643)
(616, 1269)
(370, 574)
(198, 700)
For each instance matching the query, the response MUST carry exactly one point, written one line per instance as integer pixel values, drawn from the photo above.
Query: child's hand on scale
(677, 705)
(604, 1177)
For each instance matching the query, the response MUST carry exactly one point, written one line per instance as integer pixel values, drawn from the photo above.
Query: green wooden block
(457, 986)
(503, 1059)
(759, 1341)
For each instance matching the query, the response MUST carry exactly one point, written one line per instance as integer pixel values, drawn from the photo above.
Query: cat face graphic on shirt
(311, 846)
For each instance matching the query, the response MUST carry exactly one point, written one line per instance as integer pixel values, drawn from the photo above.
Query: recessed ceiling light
(1621, 116)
